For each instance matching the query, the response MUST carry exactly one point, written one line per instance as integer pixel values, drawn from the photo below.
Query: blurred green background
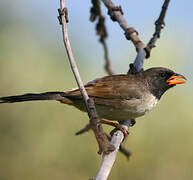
(37, 139)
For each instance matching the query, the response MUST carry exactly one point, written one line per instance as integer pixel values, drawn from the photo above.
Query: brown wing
(110, 90)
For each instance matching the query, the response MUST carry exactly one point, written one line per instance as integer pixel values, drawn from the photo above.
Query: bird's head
(159, 80)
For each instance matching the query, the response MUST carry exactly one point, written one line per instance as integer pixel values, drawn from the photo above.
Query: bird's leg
(133, 122)
(117, 126)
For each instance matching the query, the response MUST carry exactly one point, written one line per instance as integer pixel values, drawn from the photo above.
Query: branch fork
(143, 52)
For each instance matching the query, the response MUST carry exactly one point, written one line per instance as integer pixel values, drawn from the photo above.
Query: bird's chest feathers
(148, 102)
(141, 106)
(129, 109)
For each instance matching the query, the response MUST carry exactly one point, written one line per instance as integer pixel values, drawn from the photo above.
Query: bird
(117, 97)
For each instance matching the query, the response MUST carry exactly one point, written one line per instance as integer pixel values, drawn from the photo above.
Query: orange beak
(176, 79)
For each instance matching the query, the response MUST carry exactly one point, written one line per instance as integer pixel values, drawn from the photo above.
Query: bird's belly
(130, 109)
(115, 114)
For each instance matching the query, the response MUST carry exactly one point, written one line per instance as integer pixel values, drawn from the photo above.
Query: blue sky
(39, 18)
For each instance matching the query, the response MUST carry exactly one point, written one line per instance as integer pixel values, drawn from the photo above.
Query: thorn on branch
(63, 12)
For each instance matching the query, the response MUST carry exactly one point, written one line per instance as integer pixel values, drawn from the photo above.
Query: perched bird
(117, 97)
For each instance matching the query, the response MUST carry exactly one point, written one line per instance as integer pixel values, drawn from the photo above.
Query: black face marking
(165, 75)
(157, 80)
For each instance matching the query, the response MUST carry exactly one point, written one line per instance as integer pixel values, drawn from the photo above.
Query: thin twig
(124, 151)
(102, 32)
(104, 145)
(83, 130)
(159, 25)
(116, 14)
(107, 60)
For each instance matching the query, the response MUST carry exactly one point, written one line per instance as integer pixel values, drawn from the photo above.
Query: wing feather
(110, 90)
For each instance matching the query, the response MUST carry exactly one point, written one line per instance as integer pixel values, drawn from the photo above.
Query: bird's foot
(117, 127)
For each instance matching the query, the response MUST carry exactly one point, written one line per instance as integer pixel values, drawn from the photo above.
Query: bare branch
(83, 130)
(108, 160)
(143, 52)
(159, 25)
(107, 60)
(116, 14)
(104, 145)
(101, 31)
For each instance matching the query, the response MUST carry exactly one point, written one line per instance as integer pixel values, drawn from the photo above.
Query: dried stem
(159, 25)
(107, 60)
(104, 145)
(101, 31)
(116, 14)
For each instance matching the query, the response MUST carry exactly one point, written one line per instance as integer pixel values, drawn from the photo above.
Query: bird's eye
(163, 74)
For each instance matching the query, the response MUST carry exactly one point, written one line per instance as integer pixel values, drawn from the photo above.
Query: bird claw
(120, 128)
(117, 127)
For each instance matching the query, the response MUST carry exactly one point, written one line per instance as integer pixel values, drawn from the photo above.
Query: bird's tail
(59, 96)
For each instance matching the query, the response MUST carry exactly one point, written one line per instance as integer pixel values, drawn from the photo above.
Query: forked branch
(116, 14)
(143, 52)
